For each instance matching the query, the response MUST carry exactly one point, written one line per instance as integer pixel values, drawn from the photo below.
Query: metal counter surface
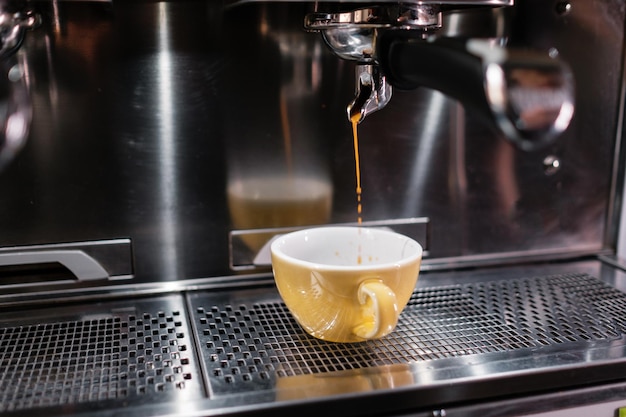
(466, 337)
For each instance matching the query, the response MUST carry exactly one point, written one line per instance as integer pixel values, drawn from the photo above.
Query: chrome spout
(372, 92)
(353, 36)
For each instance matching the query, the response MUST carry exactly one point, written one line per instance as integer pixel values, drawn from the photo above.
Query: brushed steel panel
(144, 111)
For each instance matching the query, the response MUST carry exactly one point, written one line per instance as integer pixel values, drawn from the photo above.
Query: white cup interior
(347, 247)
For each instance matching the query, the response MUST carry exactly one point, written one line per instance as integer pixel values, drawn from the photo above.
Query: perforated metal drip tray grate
(249, 341)
(112, 354)
(220, 349)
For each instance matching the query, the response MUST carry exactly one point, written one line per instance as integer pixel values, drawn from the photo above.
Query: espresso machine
(151, 150)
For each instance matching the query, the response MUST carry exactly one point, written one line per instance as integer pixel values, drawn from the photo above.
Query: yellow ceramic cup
(346, 284)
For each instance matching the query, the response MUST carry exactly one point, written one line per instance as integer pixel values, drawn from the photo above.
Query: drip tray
(228, 349)
(113, 354)
(517, 328)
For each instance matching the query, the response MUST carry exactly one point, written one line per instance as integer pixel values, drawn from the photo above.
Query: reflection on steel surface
(15, 20)
(459, 2)
(95, 165)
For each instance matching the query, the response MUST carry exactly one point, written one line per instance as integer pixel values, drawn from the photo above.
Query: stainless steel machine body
(134, 277)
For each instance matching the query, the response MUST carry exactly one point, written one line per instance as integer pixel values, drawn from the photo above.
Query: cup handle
(379, 310)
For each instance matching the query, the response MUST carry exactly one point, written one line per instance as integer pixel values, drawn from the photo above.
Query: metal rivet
(551, 165)
(15, 73)
(553, 53)
(563, 7)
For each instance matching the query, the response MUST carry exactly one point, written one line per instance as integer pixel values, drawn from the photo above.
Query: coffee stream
(359, 207)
